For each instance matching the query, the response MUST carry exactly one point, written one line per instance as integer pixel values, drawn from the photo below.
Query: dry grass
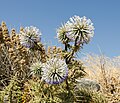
(106, 71)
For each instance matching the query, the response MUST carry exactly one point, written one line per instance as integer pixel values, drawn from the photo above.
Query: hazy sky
(48, 15)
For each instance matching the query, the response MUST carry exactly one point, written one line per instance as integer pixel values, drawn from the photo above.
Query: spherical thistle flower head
(30, 36)
(36, 69)
(55, 71)
(81, 29)
(62, 34)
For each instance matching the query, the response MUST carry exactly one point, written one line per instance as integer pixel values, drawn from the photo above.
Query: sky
(48, 15)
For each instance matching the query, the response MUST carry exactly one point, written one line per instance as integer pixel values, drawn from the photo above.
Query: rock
(88, 84)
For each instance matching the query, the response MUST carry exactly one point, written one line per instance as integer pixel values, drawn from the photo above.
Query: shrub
(29, 73)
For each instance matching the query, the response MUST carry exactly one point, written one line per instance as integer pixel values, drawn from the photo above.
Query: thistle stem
(66, 48)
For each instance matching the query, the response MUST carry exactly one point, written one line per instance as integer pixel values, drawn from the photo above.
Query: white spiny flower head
(55, 71)
(36, 69)
(30, 36)
(62, 33)
(80, 28)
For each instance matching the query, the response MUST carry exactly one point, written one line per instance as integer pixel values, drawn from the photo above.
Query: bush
(29, 73)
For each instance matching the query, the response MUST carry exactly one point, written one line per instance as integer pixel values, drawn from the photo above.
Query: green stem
(67, 87)
(66, 47)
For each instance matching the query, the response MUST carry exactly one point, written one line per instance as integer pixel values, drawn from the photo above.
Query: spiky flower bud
(36, 69)
(81, 29)
(55, 71)
(29, 36)
(78, 29)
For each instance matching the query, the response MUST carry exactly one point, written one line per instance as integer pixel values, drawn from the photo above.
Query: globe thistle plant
(80, 29)
(54, 65)
(30, 36)
(62, 34)
(36, 69)
(55, 71)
